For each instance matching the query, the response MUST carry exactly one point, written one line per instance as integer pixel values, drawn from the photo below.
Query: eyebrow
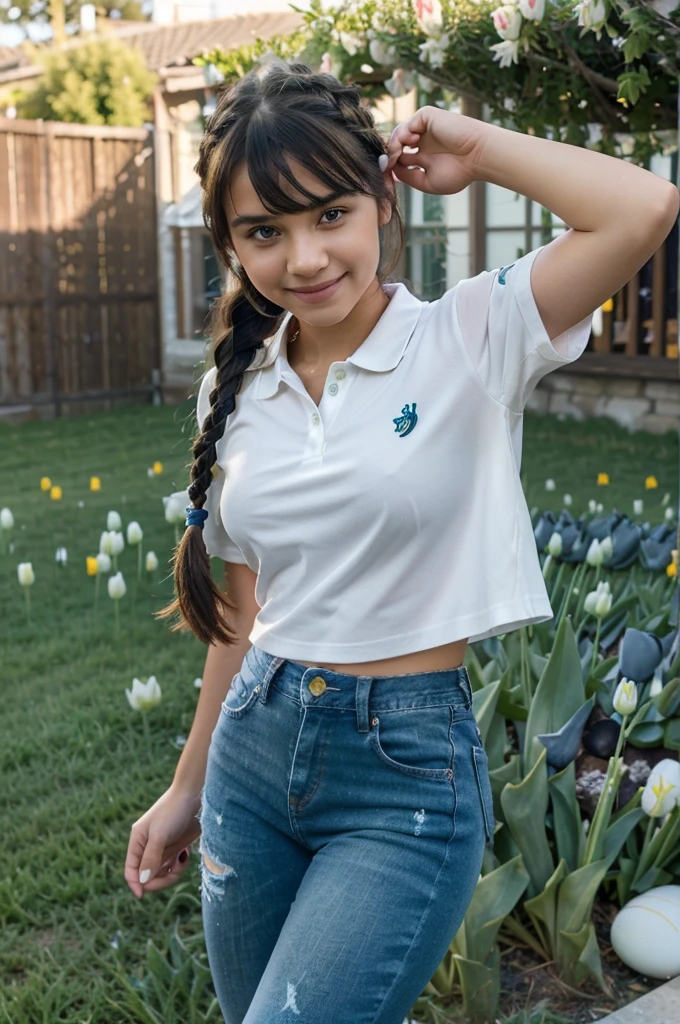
(255, 218)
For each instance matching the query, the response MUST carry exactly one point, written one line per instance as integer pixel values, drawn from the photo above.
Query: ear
(385, 212)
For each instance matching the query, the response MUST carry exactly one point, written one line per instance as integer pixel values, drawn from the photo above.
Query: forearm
(221, 665)
(587, 190)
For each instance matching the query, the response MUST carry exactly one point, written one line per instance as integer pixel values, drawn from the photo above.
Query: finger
(133, 859)
(414, 177)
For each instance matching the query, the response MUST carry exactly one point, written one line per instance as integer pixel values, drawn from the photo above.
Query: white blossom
(151, 561)
(143, 696)
(113, 521)
(6, 519)
(134, 533)
(506, 52)
(116, 585)
(25, 574)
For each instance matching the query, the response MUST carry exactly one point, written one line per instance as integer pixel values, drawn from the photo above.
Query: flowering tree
(580, 72)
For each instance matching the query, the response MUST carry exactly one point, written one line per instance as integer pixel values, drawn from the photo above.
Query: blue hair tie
(195, 516)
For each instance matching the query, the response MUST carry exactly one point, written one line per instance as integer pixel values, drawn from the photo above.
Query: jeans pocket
(241, 696)
(481, 762)
(413, 741)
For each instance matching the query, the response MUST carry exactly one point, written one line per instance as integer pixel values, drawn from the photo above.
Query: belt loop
(465, 682)
(271, 670)
(362, 694)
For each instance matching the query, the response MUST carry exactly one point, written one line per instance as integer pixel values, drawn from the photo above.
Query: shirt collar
(382, 350)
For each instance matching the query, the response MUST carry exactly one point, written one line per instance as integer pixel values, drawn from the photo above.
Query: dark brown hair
(270, 113)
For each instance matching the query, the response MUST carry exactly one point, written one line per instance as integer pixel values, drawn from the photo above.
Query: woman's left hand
(448, 148)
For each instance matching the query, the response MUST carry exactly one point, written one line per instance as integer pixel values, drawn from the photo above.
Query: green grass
(77, 765)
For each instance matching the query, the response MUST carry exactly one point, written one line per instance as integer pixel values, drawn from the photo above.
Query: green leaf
(560, 691)
(524, 808)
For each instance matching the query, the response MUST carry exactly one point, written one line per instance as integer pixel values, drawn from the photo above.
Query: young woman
(357, 469)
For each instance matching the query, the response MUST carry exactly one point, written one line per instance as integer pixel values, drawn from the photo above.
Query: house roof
(164, 46)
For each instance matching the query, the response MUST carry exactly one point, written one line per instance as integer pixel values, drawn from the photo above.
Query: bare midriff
(446, 657)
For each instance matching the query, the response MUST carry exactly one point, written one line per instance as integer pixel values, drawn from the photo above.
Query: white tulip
(638, 506)
(656, 688)
(113, 521)
(25, 574)
(144, 695)
(666, 498)
(61, 556)
(555, 545)
(669, 513)
(590, 602)
(531, 11)
(607, 548)
(117, 586)
(599, 507)
(103, 562)
(603, 605)
(592, 505)
(625, 697)
(568, 500)
(175, 507)
(595, 556)
(662, 790)
(550, 485)
(105, 543)
(198, 682)
(134, 533)
(507, 21)
(151, 562)
(6, 519)
(117, 542)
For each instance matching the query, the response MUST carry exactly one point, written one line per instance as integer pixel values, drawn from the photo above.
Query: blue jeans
(344, 820)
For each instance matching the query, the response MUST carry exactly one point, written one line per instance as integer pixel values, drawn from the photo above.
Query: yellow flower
(158, 468)
(671, 569)
(603, 478)
(45, 483)
(55, 493)
(95, 483)
(92, 567)
(651, 482)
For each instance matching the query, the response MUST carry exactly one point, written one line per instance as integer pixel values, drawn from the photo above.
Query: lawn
(78, 765)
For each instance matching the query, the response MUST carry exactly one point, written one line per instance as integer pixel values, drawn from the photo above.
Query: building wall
(636, 404)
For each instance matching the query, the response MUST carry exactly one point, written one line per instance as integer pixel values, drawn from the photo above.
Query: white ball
(645, 934)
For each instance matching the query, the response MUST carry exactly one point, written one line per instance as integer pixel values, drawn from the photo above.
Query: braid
(233, 355)
(270, 111)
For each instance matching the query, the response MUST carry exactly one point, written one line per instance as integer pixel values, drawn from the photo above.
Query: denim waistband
(321, 686)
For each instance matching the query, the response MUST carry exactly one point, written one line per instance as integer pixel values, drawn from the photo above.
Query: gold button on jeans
(317, 685)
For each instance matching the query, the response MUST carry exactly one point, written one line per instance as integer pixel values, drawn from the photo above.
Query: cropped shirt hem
(504, 617)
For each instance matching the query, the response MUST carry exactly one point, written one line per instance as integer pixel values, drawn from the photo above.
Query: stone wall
(650, 405)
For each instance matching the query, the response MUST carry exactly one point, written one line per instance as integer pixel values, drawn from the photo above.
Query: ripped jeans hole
(215, 868)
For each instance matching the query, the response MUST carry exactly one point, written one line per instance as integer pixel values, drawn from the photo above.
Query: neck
(312, 347)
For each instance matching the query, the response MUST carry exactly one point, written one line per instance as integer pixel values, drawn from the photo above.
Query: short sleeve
(217, 540)
(504, 334)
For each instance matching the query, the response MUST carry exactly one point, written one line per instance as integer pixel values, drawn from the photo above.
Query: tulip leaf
(668, 701)
(580, 955)
(542, 909)
(560, 691)
(524, 807)
(646, 735)
(484, 706)
(480, 985)
(618, 831)
(566, 816)
(495, 896)
(671, 734)
(577, 893)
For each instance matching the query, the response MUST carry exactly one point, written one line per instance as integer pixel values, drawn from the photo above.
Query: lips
(317, 287)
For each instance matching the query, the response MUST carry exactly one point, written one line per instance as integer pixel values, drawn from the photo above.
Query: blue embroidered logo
(405, 423)
(503, 272)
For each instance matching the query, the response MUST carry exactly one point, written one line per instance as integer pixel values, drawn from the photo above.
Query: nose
(305, 260)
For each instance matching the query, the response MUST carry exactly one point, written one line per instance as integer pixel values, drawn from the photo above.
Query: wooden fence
(79, 319)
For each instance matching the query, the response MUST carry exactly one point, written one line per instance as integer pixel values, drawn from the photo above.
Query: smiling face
(338, 239)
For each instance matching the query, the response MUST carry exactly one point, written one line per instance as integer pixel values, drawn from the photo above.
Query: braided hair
(270, 113)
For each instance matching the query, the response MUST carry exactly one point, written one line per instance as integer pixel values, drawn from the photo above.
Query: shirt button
(333, 389)
(340, 374)
(317, 685)
(316, 419)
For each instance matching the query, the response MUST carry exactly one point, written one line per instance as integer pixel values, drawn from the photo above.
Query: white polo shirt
(391, 518)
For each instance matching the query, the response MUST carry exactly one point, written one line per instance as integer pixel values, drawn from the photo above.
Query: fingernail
(183, 856)
(144, 876)
(383, 161)
(394, 177)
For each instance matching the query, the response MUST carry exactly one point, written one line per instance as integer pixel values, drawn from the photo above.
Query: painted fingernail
(383, 161)
(394, 177)
(144, 876)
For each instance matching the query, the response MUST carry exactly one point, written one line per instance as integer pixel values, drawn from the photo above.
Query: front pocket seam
(238, 712)
(446, 774)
